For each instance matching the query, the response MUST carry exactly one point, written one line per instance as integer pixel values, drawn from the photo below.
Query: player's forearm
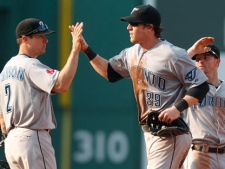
(100, 65)
(68, 72)
(194, 95)
(191, 52)
(186, 102)
(191, 100)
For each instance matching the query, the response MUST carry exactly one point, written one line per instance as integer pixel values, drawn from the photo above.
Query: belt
(210, 149)
(12, 127)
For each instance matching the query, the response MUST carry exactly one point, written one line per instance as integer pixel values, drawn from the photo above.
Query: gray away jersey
(161, 76)
(207, 119)
(25, 88)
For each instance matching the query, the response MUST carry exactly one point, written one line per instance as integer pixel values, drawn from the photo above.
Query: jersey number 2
(7, 93)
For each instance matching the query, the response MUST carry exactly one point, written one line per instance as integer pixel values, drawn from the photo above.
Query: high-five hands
(76, 32)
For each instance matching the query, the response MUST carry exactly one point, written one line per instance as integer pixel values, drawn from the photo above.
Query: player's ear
(149, 26)
(218, 62)
(24, 38)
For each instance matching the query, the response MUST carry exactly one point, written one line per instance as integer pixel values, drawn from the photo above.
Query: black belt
(210, 149)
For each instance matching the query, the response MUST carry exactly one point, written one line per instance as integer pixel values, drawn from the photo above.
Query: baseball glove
(162, 129)
(4, 164)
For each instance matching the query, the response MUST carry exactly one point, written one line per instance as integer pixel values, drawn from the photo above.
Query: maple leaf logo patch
(50, 71)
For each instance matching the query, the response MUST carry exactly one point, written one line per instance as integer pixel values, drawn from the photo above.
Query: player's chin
(202, 68)
(132, 40)
(43, 52)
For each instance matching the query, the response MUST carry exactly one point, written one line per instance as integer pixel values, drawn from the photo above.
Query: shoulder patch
(191, 75)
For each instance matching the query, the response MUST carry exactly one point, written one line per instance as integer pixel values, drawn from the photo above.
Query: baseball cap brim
(208, 53)
(130, 19)
(44, 33)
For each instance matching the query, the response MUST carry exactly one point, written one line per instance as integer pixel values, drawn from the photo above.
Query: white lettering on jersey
(12, 72)
(154, 80)
(211, 101)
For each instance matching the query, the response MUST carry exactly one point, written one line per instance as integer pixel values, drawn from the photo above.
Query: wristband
(182, 105)
(90, 53)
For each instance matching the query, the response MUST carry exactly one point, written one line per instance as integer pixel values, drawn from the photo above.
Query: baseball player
(207, 119)
(162, 74)
(25, 88)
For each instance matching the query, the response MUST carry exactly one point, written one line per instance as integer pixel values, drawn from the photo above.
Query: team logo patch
(135, 9)
(50, 71)
(41, 23)
(191, 75)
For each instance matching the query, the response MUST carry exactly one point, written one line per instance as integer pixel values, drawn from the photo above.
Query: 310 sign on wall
(100, 145)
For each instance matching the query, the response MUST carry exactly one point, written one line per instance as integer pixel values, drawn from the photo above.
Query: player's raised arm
(98, 63)
(200, 46)
(66, 75)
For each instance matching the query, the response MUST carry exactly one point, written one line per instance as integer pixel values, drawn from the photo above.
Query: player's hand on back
(200, 46)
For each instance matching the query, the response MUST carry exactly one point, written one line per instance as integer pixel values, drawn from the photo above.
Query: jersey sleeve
(42, 76)
(119, 64)
(187, 72)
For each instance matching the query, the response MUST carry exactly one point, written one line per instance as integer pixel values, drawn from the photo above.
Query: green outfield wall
(97, 120)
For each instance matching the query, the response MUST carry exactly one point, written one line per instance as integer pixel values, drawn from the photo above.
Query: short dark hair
(19, 40)
(158, 30)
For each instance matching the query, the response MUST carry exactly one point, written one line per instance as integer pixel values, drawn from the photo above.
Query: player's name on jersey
(212, 101)
(154, 80)
(12, 72)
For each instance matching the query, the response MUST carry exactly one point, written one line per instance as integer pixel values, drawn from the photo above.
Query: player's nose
(129, 27)
(45, 39)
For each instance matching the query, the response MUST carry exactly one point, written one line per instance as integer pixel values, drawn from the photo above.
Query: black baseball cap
(32, 26)
(214, 51)
(144, 14)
